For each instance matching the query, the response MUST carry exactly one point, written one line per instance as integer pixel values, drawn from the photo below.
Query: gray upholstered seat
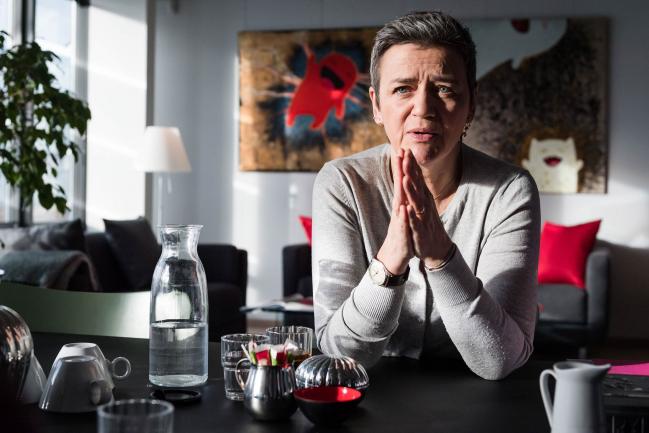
(562, 303)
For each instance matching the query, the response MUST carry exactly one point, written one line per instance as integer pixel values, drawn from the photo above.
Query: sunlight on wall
(117, 96)
(246, 228)
(624, 212)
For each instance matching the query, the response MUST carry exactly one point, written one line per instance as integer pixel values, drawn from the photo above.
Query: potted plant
(39, 124)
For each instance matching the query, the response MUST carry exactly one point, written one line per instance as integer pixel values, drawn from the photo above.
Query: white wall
(116, 71)
(196, 88)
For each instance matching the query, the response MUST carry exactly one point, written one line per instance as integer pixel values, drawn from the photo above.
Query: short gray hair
(425, 29)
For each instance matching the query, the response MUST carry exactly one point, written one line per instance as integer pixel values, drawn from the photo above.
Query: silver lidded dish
(324, 370)
(16, 347)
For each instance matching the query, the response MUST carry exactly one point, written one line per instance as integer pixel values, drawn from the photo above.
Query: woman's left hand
(429, 238)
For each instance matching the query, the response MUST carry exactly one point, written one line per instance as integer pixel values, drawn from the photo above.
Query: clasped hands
(415, 228)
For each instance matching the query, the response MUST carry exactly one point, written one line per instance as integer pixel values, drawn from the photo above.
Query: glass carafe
(178, 315)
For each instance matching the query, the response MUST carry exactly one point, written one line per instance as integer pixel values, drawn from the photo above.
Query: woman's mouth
(422, 136)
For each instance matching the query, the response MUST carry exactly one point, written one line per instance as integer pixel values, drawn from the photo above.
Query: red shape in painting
(325, 86)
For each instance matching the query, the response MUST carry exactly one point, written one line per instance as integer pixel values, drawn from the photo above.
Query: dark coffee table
(404, 396)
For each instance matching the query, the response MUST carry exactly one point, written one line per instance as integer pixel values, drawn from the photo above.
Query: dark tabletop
(404, 396)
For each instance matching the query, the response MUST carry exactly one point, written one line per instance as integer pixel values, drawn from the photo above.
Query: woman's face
(423, 100)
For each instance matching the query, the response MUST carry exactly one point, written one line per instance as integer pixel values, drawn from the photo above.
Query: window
(55, 31)
(8, 199)
(6, 13)
(98, 64)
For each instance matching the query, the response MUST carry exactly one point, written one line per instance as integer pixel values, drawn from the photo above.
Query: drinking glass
(136, 416)
(231, 353)
(302, 336)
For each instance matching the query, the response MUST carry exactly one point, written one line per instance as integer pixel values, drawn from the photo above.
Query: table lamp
(162, 152)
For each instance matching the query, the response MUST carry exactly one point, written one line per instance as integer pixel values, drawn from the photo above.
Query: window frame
(23, 27)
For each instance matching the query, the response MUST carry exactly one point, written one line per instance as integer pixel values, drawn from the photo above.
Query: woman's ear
(376, 110)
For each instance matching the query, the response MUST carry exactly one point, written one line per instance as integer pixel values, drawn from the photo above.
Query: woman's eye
(445, 90)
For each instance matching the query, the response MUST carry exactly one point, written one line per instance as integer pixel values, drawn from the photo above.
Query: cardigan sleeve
(353, 316)
(491, 316)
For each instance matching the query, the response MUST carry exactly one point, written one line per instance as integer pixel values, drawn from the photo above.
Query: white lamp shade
(162, 151)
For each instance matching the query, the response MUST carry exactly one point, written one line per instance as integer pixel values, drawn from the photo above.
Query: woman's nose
(425, 103)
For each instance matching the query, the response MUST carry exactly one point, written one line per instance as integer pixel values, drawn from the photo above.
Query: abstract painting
(304, 98)
(541, 104)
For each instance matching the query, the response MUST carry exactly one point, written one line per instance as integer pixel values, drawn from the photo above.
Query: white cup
(91, 349)
(76, 384)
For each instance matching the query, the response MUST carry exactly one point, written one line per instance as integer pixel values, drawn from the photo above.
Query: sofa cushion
(305, 286)
(562, 303)
(136, 250)
(109, 272)
(68, 235)
(307, 225)
(563, 252)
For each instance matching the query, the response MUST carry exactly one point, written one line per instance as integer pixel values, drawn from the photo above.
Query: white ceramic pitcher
(577, 406)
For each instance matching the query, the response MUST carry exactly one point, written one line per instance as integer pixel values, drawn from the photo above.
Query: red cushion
(306, 224)
(564, 250)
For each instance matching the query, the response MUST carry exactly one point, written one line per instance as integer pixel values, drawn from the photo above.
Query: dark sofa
(64, 256)
(226, 269)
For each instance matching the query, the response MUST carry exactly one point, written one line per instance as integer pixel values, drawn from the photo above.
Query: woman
(424, 246)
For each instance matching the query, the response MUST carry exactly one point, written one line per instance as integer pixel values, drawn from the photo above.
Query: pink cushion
(306, 225)
(564, 250)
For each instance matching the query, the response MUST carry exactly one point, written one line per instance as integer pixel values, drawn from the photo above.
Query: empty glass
(231, 353)
(302, 336)
(136, 416)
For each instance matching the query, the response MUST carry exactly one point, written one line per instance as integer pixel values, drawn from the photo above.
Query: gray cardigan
(482, 304)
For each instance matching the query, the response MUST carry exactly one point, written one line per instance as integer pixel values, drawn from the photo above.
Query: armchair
(296, 275)
(226, 270)
(574, 317)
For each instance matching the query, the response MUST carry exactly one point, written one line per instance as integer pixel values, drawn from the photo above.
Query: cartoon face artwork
(325, 86)
(554, 165)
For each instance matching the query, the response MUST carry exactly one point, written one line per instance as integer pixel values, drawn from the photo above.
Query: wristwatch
(382, 277)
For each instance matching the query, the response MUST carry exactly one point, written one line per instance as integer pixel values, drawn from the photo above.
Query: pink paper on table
(631, 369)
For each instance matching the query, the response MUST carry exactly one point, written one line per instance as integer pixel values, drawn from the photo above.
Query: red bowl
(327, 405)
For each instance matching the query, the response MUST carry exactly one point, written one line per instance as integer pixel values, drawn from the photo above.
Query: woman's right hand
(397, 250)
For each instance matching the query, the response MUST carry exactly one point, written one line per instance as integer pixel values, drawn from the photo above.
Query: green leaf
(61, 204)
(45, 196)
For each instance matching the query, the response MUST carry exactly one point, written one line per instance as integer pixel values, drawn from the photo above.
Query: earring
(467, 125)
